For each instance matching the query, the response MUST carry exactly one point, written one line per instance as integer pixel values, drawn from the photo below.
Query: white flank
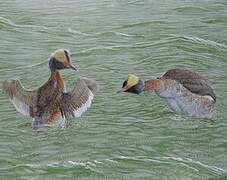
(78, 112)
(20, 106)
(208, 97)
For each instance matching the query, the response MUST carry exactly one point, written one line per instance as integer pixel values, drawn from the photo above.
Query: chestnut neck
(57, 77)
(152, 84)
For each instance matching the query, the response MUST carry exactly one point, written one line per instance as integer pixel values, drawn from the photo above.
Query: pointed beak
(73, 67)
(121, 90)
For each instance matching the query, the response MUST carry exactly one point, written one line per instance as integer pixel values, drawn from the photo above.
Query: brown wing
(22, 99)
(79, 99)
(192, 81)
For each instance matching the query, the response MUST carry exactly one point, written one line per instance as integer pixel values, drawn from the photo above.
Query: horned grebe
(49, 105)
(185, 92)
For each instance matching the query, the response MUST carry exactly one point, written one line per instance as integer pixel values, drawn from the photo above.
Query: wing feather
(22, 99)
(79, 99)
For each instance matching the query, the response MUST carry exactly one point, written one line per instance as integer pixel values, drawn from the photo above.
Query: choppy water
(124, 136)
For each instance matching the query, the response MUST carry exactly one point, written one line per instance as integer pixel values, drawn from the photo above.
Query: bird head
(60, 59)
(132, 85)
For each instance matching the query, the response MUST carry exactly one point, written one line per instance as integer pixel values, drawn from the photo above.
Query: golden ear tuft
(59, 55)
(132, 80)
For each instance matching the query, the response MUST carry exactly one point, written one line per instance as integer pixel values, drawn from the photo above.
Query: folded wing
(22, 99)
(77, 101)
(192, 81)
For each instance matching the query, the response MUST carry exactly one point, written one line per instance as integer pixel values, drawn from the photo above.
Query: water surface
(125, 136)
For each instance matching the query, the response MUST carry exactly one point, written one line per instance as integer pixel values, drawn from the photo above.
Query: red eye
(66, 63)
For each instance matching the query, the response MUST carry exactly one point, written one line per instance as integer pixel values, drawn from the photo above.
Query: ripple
(220, 20)
(73, 31)
(141, 24)
(54, 168)
(191, 9)
(206, 42)
(188, 163)
(214, 169)
(8, 22)
(101, 34)
(24, 67)
(124, 136)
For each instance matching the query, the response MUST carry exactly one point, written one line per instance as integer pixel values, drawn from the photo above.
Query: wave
(8, 22)
(190, 9)
(88, 166)
(186, 162)
(140, 24)
(24, 67)
(202, 41)
(73, 31)
(189, 161)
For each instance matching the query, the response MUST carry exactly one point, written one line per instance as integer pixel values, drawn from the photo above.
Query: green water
(124, 136)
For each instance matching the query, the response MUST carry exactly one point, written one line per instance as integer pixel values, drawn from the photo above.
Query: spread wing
(22, 99)
(77, 101)
(192, 81)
